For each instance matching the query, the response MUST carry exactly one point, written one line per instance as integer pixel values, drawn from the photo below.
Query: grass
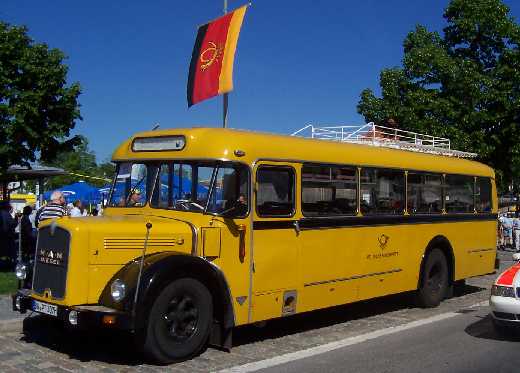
(8, 283)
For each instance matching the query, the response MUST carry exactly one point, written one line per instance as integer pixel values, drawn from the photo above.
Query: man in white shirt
(76, 209)
(516, 233)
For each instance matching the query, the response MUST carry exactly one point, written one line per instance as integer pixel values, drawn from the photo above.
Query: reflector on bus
(155, 144)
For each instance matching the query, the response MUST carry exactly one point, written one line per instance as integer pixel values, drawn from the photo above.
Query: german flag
(211, 67)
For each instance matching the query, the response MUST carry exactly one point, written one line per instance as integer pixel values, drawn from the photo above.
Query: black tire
(179, 323)
(434, 281)
(456, 289)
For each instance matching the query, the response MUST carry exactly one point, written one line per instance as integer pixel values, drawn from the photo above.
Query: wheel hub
(181, 318)
(434, 280)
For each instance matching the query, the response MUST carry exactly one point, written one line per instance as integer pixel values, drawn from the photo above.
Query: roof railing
(371, 134)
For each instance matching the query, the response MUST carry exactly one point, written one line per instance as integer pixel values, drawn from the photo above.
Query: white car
(505, 297)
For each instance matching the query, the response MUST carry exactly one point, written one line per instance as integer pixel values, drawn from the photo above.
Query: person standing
(516, 233)
(54, 209)
(76, 209)
(507, 226)
(7, 229)
(28, 237)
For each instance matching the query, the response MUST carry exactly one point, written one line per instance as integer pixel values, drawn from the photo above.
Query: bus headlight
(117, 290)
(73, 317)
(20, 271)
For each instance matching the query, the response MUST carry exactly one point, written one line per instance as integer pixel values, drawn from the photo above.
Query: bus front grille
(51, 262)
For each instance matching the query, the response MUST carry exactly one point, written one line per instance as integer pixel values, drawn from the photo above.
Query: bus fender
(159, 270)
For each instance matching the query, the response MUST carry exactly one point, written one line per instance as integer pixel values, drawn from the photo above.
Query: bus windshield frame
(210, 187)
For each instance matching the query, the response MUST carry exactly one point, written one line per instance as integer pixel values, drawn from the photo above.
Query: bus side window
(483, 194)
(382, 191)
(329, 190)
(424, 193)
(459, 193)
(275, 194)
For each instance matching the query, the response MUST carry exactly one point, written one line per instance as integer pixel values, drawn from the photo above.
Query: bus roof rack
(370, 134)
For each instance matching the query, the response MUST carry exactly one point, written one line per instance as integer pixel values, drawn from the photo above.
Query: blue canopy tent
(105, 192)
(80, 190)
(182, 190)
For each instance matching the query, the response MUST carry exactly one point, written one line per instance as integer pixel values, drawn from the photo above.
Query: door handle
(242, 242)
(297, 227)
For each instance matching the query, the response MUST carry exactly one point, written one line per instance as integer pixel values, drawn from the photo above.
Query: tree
(464, 85)
(106, 170)
(81, 165)
(37, 109)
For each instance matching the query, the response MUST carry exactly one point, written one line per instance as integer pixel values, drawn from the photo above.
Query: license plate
(48, 309)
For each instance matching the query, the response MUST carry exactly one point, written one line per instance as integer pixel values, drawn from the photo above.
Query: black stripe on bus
(274, 224)
(369, 221)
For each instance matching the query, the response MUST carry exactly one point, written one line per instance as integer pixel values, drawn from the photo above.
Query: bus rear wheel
(179, 322)
(434, 280)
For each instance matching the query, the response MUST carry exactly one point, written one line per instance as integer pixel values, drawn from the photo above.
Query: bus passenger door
(275, 241)
(329, 253)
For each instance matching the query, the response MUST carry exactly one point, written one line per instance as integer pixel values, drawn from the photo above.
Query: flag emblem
(210, 55)
(211, 67)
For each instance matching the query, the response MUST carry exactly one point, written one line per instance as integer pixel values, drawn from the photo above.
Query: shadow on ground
(332, 316)
(484, 328)
(113, 347)
(109, 346)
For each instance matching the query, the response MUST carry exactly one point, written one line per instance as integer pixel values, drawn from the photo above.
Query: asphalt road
(463, 342)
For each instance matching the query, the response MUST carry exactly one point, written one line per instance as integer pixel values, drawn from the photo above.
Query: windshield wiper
(211, 187)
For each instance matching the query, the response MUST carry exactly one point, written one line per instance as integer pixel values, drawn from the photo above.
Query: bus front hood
(120, 239)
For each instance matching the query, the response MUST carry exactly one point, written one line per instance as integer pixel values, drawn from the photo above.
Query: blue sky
(297, 62)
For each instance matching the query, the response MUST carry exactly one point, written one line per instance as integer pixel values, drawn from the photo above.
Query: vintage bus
(207, 229)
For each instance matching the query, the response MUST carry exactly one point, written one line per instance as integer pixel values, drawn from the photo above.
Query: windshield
(211, 187)
(131, 185)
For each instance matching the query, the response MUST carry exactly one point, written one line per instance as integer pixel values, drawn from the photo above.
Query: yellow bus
(207, 229)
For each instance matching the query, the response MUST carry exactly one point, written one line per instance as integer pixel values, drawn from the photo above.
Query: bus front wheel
(434, 280)
(179, 322)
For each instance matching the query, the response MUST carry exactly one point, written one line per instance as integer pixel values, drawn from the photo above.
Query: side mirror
(229, 213)
(237, 210)
(516, 257)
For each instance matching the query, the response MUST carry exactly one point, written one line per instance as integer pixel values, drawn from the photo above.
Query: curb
(11, 325)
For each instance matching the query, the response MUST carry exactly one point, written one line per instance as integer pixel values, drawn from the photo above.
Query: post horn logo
(210, 55)
(383, 240)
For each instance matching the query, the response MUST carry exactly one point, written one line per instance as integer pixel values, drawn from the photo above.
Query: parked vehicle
(505, 298)
(207, 229)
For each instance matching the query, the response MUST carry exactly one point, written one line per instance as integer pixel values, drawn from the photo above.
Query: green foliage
(8, 283)
(79, 161)
(37, 109)
(464, 85)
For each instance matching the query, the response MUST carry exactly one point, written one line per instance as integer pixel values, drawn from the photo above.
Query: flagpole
(225, 98)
